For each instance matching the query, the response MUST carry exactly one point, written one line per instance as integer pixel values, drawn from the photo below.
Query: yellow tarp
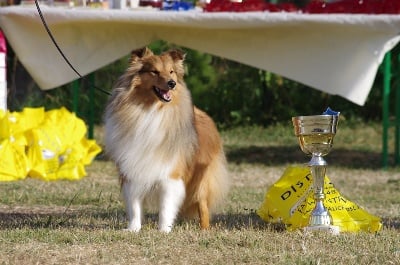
(45, 145)
(290, 201)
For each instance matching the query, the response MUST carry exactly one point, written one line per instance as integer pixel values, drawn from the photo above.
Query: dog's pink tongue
(167, 95)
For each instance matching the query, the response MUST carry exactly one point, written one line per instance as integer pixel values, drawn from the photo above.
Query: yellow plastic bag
(13, 124)
(70, 129)
(46, 145)
(58, 148)
(13, 163)
(73, 160)
(290, 201)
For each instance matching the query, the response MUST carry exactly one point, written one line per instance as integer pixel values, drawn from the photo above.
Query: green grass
(82, 222)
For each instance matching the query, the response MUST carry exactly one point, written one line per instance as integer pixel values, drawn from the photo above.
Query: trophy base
(334, 230)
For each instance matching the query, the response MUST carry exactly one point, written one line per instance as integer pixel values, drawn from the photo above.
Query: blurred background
(233, 94)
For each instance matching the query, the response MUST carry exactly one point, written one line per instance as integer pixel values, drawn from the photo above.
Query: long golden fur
(164, 147)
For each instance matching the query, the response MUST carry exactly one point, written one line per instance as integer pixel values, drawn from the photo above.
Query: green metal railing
(91, 110)
(386, 121)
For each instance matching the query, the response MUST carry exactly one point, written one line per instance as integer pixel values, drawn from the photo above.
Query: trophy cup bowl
(315, 135)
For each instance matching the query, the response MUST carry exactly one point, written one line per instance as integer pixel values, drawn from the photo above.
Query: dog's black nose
(171, 84)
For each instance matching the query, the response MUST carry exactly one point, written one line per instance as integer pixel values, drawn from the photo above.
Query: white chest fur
(148, 144)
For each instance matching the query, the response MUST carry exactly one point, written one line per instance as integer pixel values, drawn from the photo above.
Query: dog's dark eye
(155, 72)
(171, 72)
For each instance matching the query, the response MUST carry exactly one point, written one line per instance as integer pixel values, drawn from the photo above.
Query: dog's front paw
(165, 228)
(133, 228)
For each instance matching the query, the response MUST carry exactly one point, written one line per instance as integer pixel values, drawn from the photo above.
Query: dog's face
(157, 76)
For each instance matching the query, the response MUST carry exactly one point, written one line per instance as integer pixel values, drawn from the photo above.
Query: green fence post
(75, 96)
(385, 108)
(91, 106)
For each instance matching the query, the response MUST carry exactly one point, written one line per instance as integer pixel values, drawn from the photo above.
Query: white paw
(133, 228)
(165, 228)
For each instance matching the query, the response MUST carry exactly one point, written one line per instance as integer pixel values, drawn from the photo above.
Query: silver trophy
(315, 134)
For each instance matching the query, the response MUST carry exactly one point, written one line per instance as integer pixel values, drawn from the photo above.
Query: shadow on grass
(103, 220)
(116, 220)
(83, 219)
(244, 221)
(278, 155)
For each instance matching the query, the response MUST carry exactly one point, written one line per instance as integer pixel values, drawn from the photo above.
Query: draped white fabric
(335, 53)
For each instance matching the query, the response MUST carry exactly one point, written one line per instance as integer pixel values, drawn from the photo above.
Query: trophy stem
(319, 215)
(320, 218)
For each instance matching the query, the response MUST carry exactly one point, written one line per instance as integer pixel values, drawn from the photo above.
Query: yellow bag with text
(290, 201)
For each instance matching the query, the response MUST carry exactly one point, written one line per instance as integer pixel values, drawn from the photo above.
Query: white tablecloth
(338, 54)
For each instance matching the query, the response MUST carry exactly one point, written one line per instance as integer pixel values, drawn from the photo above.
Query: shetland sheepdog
(167, 151)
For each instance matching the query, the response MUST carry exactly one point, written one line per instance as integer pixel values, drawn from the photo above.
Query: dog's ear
(140, 53)
(177, 55)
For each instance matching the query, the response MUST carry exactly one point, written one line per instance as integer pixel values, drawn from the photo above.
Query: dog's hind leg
(204, 214)
(171, 199)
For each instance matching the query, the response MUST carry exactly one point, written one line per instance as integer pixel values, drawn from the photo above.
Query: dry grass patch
(82, 222)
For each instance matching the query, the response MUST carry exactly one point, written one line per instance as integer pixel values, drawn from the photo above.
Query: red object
(152, 3)
(247, 6)
(3, 46)
(391, 7)
(355, 7)
(313, 7)
(287, 7)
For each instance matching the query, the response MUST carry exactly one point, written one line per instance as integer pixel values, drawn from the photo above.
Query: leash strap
(58, 47)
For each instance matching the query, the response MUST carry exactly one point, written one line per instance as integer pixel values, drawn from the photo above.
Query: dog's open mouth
(164, 95)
